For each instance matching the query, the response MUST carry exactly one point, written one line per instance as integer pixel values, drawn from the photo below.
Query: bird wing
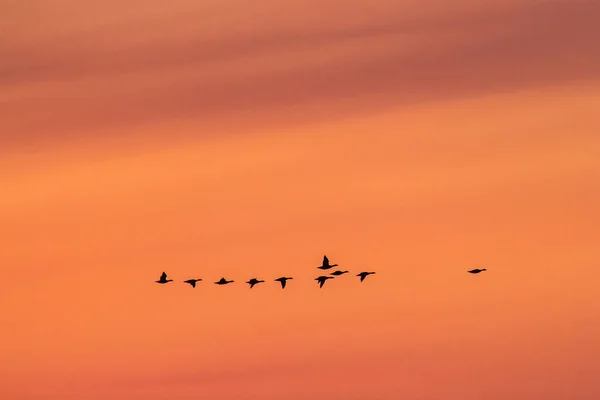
(362, 277)
(193, 283)
(163, 276)
(283, 283)
(321, 282)
(325, 261)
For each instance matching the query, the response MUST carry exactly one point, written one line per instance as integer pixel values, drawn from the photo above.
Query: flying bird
(192, 282)
(326, 264)
(253, 282)
(163, 278)
(476, 271)
(223, 281)
(338, 273)
(283, 281)
(322, 280)
(363, 275)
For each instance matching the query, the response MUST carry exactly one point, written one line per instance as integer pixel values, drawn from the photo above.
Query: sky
(235, 138)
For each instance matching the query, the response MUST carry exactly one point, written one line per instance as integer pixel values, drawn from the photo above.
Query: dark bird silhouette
(322, 280)
(253, 282)
(338, 273)
(192, 282)
(363, 275)
(326, 264)
(476, 271)
(163, 278)
(283, 280)
(223, 281)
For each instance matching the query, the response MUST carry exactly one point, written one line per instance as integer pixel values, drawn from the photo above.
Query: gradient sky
(242, 138)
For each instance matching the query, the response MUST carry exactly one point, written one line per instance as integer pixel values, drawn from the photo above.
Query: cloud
(97, 81)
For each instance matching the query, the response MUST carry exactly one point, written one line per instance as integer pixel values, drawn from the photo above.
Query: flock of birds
(282, 280)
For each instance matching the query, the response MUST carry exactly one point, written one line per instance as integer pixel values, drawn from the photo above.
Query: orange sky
(234, 138)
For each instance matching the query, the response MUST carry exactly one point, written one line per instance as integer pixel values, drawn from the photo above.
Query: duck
(363, 275)
(283, 281)
(476, 270)
(338, 273)
(326, 264)
(163, 279)
(253, 282)
(192, 282)
(322, 279)
(223, 281)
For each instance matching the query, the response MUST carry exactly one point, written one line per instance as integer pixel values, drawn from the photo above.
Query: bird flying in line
(338, 273)
(223, 281)
(476, 271)
(322, 280)
(283, 281)
(253, 282)
(326, 264)
(163, 278)
(363, 275)
(192, 282)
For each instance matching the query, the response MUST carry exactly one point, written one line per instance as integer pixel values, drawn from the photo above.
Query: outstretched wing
(163, 276)
(325, 261)
(362, 277)
(283, 281)
(321, 282)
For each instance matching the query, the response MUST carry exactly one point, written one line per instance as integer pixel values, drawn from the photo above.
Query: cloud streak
(296, 75)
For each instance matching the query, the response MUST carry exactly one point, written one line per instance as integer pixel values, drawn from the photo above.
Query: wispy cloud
(103, 78)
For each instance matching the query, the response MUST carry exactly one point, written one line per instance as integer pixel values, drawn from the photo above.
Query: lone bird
(363, 275)
(163, 278)
(338, 273)
(326, 264)
(283, 281)
(253, 282)
(192, 282)
(223, 281)
(322, 280)
(476, 271)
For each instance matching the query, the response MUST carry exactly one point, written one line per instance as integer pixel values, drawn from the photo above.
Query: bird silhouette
(283, 281)
(163, 278)
(338, 273)
(322, 280)
(476, 271)
(326, 264)
(192, 282)
(223, 281)
(363, 275)
(253, 282)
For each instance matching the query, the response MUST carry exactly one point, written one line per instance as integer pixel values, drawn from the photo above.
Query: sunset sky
(237, 138)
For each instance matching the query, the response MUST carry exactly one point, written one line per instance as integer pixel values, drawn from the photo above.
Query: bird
(338, 273)
(223, 281)
(476, 271)
(163, 278)
(253, 282)
(283, 280)
(322, 280)
(363, 275)
(326, 264)
(192, 282)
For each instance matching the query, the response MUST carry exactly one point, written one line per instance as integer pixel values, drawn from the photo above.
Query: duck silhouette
(476, 270)
(338, 273)
(326, 264)
(363, 275)
(322, 280)
(283, 281)
(223, 281)
(163, 279)
(253, 282)
(192, 282)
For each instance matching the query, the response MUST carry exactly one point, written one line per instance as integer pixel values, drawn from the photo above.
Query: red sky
(418, 139)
